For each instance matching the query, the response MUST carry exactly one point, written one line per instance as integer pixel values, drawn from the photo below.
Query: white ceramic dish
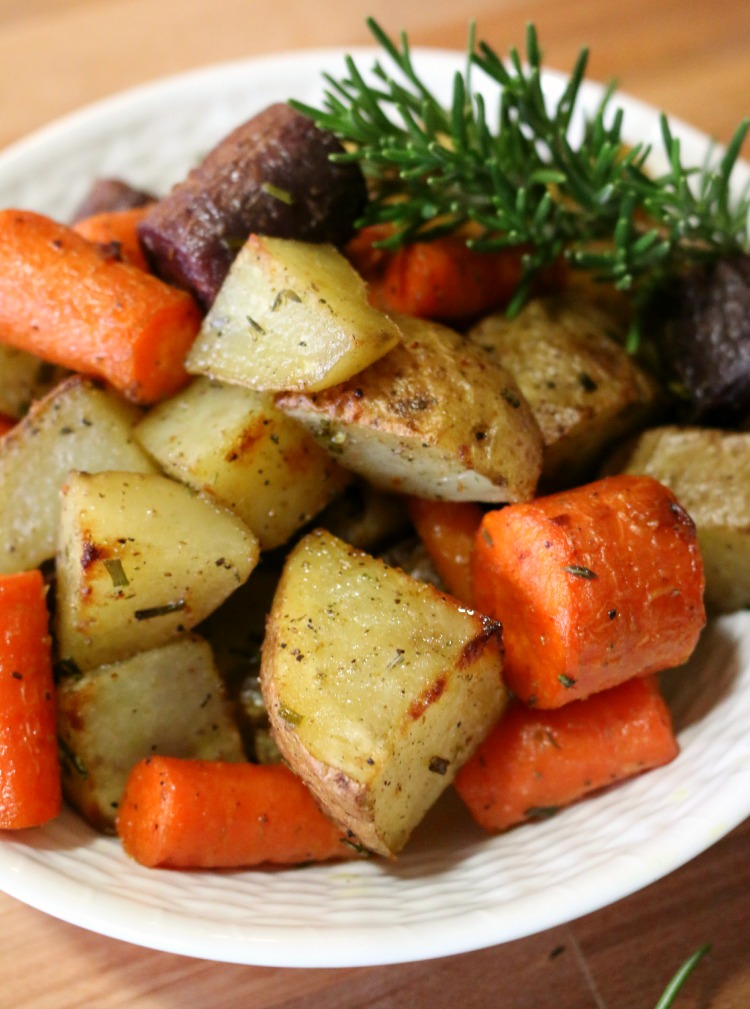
(454, 889)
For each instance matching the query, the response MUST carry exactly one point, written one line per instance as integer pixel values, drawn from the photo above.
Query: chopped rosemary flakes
(116, 572)
(580, 571)
(160, 611)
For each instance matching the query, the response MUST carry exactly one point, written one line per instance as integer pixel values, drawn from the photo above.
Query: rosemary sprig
(517, 176)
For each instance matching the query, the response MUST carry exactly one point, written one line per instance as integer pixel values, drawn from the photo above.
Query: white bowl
(454, 889)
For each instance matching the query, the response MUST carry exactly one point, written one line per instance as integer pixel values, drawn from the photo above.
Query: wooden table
(691, 58)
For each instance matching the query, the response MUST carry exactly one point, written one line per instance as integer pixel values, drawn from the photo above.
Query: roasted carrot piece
(448, 530)
(65, 301)
(367, 257)
(442, 279)
(116, 230)
(592, 585)
(30, 791)
(182, 814)
(445, 279)
(534, 762)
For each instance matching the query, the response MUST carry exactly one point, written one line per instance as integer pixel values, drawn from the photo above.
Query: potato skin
(378, 687)
(169, 700)
(290, 315)
(141, 560)
(272, 176)
(708, 470)
(234, 446)
(584, 389)
(436, 417)
(78, 425)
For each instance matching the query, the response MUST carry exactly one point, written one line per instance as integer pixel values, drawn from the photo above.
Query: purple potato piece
(706, 341)
(110, 194)
(272, 176)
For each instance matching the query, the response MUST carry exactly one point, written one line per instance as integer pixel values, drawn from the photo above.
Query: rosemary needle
(670, 992)
(517, 176)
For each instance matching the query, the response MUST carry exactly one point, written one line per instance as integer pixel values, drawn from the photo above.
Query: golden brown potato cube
(168, 700)
(708, 470)
(584, 389)
(435, 417)
(79, 425)
(378, 687)
(141, 560)
(290, 315)
(24, 378)
(234, 445)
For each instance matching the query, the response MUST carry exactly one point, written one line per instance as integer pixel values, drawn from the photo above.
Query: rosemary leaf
(432, 170)
(670, 992)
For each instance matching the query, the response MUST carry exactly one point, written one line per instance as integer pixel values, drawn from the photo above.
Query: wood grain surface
(688, 57)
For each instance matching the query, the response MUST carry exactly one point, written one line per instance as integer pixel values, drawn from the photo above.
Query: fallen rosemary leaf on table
(670, 992)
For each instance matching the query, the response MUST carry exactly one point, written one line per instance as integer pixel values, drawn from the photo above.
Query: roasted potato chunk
(708, 471)
(378, 687)
(290, 315)
(584, 389)
(141, 560)
(234, 445)
(24, 378)
(168, 700)
(436, 417)
(79, 425)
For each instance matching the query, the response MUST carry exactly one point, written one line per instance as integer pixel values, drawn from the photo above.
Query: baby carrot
(66, 302)
(180, 813)
(448, 530)
(30, 792)
(446, 280)
(367, 257)
(534, 762)
(116, 230)
(592, 585)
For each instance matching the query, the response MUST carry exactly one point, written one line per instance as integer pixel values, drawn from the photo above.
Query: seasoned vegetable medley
(392, 451)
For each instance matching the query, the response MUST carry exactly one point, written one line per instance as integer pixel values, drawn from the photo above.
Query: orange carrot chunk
(535, 762)
(64, 300)
(182, 814)
(30, 790)
(592, 586)
(116, 231)
(445, 279)
(448, 530)
(365, 253)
